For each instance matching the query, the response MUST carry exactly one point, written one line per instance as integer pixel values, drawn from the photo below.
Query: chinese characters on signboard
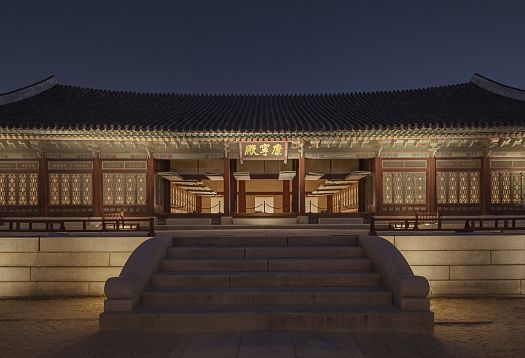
(263, 150)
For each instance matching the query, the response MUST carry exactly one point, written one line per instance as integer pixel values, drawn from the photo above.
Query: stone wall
(61, 266)
(462, 265)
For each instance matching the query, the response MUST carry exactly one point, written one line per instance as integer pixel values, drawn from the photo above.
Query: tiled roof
(47, 104)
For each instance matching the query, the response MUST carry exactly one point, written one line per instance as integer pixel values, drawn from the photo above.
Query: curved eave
(227, 136)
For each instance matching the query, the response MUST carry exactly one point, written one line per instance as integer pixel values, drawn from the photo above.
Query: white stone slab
(55, 259)
(493, 272)
(74, 274)
(19, 244)
(474, 287)
(90, 244)
(432, 272)
(447, 257)
(508, 257)
(461, 242)
(14, 274)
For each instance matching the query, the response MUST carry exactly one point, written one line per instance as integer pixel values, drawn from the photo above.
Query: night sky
(260, 46)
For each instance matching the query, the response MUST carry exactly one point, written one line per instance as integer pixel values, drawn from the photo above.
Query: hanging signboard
(263, 150)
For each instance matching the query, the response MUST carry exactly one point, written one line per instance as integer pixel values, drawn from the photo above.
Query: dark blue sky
(260, 46)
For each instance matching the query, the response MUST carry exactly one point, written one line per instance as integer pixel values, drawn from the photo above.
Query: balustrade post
(151, 231)
(372, 231)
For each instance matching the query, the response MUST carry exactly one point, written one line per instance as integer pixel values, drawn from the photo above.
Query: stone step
(267, 296)
(266, 279)
(271, 318)
(260, 252)
(238, 241)
(273, 264)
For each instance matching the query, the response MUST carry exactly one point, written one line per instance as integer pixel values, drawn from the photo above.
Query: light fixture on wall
(171, 176)
(214, 176)
(286, 175)
(357, 175)
(242, 175)
(313, 176)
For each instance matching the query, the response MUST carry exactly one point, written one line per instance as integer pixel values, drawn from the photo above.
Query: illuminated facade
(69, 151)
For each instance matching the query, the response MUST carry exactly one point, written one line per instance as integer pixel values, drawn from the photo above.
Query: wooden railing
(104, 224)
(436, 223)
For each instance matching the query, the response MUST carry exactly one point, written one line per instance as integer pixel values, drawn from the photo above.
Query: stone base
(318, 319)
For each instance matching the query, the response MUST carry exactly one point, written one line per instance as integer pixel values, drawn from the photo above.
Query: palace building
(74, 151)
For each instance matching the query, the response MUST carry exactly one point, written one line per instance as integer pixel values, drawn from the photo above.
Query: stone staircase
(302, 283)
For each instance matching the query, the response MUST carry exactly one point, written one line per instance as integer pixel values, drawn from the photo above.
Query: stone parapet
(61, 266)
(467, 265)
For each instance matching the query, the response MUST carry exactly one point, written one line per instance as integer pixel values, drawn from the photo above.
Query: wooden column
(431, 182)
(242, 196)
(198, 203)
(98, 202)
(227, 186)
(363, 164)
(162, 165)
(233, 187)
(150, 187)
(43, 188)
(378, 190)
(301, 185)
(286, 196)
(329, 203)
(295, 188)
(485, 186)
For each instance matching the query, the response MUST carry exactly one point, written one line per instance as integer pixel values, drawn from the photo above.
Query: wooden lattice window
(507, 187)
(404, 187)
(70, 189)
(124, 189)
(457, 187)
(20, 189)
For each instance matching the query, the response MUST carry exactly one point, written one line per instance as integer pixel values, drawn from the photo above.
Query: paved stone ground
(69, 328)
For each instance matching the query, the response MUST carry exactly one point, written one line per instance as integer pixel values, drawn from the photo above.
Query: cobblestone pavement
(69, 328)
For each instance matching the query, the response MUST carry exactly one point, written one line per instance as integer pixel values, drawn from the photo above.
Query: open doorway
(264, 204)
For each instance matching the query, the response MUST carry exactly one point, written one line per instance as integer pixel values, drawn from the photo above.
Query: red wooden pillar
(431, 190)
(286, 196)
(378, 190)
(329, 203)
(227, 186)
(150, 187)
(301, 185)
(361, 186)
(485, 186)
(98, 203)
(233, 187)
(43, 185)
(295, 188)
(198, 204)
(242, 196)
